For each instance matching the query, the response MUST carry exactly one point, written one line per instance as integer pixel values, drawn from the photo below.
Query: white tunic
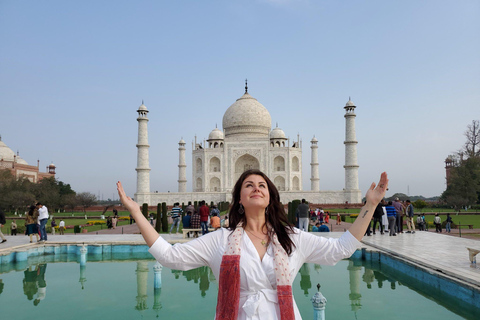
(258, 295)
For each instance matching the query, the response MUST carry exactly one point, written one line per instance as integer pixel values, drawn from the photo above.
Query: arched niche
(279, 183)
(215, 184)
(279, 163)
(215, 165)
(295, 164)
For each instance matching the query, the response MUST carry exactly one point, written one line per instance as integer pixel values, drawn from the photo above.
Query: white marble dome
(142, 108)
(5, 152)
(350, 103)
(21, 161)
(216, 134)
(277, 133)
(247, 117)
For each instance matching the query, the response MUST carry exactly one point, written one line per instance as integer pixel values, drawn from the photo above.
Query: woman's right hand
(127, 202)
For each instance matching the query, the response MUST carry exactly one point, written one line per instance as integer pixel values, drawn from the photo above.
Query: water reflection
(362, 277)
(34, 284)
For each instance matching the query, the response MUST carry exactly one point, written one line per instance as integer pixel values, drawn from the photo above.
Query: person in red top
(204, 213)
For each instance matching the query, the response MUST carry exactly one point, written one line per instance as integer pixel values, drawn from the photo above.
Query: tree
(86, 199)
(419, 204)
(472, 145)
(463, 187)
(70, 201)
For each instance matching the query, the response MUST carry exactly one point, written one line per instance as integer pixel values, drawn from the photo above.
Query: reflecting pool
(124, 288)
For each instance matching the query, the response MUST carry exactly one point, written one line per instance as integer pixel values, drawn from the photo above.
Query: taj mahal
(247, 141)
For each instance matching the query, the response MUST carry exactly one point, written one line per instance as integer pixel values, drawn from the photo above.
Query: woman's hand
(128, 203)
(377, 192)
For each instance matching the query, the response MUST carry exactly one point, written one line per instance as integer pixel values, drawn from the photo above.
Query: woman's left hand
(377, 192)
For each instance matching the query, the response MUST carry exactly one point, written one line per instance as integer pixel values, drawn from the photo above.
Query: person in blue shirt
(323, 228)
(186, 222)
(320, 227)
(391, 215)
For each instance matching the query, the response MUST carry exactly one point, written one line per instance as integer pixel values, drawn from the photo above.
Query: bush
(354, 216)
(77, 229)
(343, 217)
(145, 210)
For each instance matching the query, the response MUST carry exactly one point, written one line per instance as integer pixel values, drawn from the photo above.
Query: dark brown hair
(275, 215)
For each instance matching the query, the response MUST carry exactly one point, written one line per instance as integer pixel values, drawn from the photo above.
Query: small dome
(142, 108)
(277, 133)
(350, 103)
(51, 165)
(216, 134)
(247, 117)
(181, 141)
(5, 152)
(21, 161)
(314, 139)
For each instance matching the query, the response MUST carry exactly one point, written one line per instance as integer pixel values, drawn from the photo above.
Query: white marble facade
(246, 142)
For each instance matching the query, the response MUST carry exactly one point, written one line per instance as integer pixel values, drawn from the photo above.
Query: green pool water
(124, 289)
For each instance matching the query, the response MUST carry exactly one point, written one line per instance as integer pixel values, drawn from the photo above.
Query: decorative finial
(216, 126)
(246, 86)
(277, 124)
(142, 101)
(318, 287)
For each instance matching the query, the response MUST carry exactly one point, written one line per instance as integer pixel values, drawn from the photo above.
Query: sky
(73, 74)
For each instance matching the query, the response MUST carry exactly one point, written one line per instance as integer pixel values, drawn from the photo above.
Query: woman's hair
(275, 213)
(31, 210)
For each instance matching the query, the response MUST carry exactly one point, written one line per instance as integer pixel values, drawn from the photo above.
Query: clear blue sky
(73, 73)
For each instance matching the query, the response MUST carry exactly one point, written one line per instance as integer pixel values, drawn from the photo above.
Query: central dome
(247, 117)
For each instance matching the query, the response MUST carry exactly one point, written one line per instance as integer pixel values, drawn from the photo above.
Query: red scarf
(229, 282)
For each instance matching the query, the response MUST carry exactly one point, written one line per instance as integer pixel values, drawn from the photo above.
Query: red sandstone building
(20, 168)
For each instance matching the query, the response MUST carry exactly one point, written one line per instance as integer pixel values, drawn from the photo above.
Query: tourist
(259, 238)
(42, 218)
(409, 217)
(190, 208)
(61, 227)
(399, 215)
(2, 222)
(438, 223)
(53, 224)
(425, 224)
(391, 214)
(214, 211)
(31, 223)
(225, 222)
(316, 227)
(130, 218)
(114, 222)
(204, 215)
(323, 228)
(384, 217)
(339, 219)
(151, 217)
(176, 214)
(13, 228)
(377, 218)
(109, 222)
(327, 218)
(420, 223)
(195, 222)
(215, 221)
(186, 222)
(448, 223)
(302, 213)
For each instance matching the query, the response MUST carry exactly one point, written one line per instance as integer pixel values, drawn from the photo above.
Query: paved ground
(437, 252)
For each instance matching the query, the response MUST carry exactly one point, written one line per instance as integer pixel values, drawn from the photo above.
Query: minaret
(351, 165)
(143, 168)
(182, 167)
(315, 180)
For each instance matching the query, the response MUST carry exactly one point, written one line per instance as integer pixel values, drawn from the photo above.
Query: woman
(256, 259)
(31, 223)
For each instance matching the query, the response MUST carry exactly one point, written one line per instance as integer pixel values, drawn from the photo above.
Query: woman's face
(254, 192)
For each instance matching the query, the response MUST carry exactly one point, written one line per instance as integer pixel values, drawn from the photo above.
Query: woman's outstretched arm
(148, 232)
(374, 195)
